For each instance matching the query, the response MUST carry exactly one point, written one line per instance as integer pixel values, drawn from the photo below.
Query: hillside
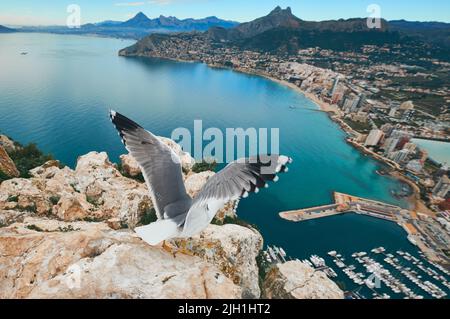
(283, 19)
(434, 32)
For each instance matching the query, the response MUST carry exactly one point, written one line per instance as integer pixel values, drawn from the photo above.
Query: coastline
(322, 106)
(333, 112)
(414, 199)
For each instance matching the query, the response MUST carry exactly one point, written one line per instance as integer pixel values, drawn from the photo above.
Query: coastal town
(370, 101)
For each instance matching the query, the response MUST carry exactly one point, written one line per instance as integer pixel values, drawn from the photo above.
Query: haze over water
(58, 96)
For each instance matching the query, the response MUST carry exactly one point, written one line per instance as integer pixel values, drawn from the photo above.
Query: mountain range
(142, 21)
(4, 29)
(139, 26)
(283, 30)
(284, 19)
(280, 29)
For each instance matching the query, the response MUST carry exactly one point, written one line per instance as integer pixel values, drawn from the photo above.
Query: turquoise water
(438, 151)
(59, 95)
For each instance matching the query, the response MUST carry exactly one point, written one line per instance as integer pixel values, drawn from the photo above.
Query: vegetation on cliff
(28, 157)
(25, 158)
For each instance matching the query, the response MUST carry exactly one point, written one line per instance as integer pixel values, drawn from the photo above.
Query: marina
(377, 274)
(394, 275)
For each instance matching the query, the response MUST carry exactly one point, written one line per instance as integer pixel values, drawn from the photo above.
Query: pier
(312, 213)
(345, 203)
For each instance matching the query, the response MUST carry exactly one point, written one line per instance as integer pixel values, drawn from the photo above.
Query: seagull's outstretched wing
(235, 181)
(160, 167)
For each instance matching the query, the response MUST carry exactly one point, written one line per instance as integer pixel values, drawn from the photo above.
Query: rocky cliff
(68, 233)
(295, 280)
(7, 166)
(43, 258)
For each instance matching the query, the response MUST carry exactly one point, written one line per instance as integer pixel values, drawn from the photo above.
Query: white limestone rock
(52, 259)
(233, 249)
(295, 280)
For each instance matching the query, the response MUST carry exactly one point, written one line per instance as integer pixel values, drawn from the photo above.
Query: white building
(335, 86)
(393, 112)
(400, 156)
(400, 134)
(410, 147)
(348, 104)
(442, 188)
(390, 144)
(374, 137)
(415, 166)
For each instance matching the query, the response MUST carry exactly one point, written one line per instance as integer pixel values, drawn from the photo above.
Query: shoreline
(414, 199)
(332, 111)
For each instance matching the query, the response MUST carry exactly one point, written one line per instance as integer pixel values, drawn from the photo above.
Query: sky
(54, 12)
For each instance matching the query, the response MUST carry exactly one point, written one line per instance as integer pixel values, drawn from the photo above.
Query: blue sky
(44, 12)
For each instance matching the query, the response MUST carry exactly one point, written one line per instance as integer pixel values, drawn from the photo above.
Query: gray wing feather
(236, 180)
(242, 177)
(160, 167)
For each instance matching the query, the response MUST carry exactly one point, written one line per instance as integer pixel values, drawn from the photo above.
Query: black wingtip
(122, 122)
(112, 114)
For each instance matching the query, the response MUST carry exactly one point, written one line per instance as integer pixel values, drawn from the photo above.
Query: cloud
(14, 20)
(142, 3)
(161, 2)
(129, 4)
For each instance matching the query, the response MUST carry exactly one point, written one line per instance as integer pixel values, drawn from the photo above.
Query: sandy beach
(415, 200)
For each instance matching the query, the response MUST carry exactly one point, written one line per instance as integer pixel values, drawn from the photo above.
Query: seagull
(179, 215)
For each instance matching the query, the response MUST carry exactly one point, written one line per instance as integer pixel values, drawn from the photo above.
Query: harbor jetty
(344, 203)
(421, 230)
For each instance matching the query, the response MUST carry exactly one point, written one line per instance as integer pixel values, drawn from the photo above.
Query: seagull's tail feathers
(158, 231)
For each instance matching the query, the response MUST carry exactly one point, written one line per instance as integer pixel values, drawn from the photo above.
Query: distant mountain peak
(279, 10)
(139, 20)
(140, 17)
(277, 18)
(140, 14)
